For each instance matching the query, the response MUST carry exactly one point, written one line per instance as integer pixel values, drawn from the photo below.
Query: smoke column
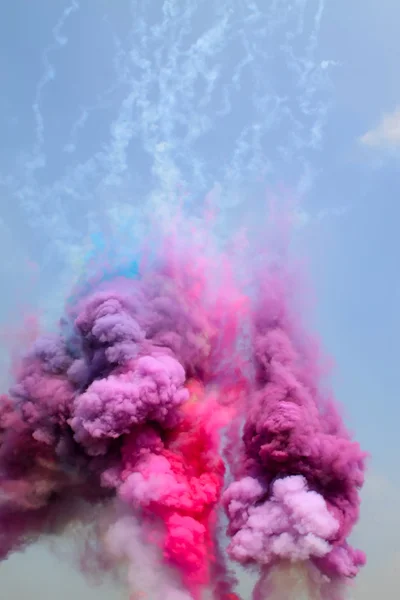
(294, 497)
(124, 406)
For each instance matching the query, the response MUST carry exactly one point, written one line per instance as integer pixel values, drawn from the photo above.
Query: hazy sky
(110, 105)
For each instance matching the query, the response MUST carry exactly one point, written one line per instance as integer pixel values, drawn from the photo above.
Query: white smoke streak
(201, 94)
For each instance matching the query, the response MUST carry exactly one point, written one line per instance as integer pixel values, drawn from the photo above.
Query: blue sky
(107, 107)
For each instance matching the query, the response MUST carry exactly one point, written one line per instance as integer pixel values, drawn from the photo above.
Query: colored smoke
(117, 405)
(125, 407)
(295, 493)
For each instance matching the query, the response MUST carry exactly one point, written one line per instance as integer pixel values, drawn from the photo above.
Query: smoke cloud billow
(294, 499)
(126, 404)
(116, 405)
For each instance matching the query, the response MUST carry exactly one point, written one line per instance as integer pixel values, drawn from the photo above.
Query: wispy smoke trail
(196, 94)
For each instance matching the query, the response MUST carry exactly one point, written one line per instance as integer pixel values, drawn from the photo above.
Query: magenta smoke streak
(295, 496)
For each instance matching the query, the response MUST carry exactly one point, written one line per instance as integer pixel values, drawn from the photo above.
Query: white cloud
(386, 133)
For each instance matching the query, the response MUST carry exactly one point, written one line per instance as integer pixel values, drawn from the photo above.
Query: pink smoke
(126, 405)
(295, 491)
(118, 404)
